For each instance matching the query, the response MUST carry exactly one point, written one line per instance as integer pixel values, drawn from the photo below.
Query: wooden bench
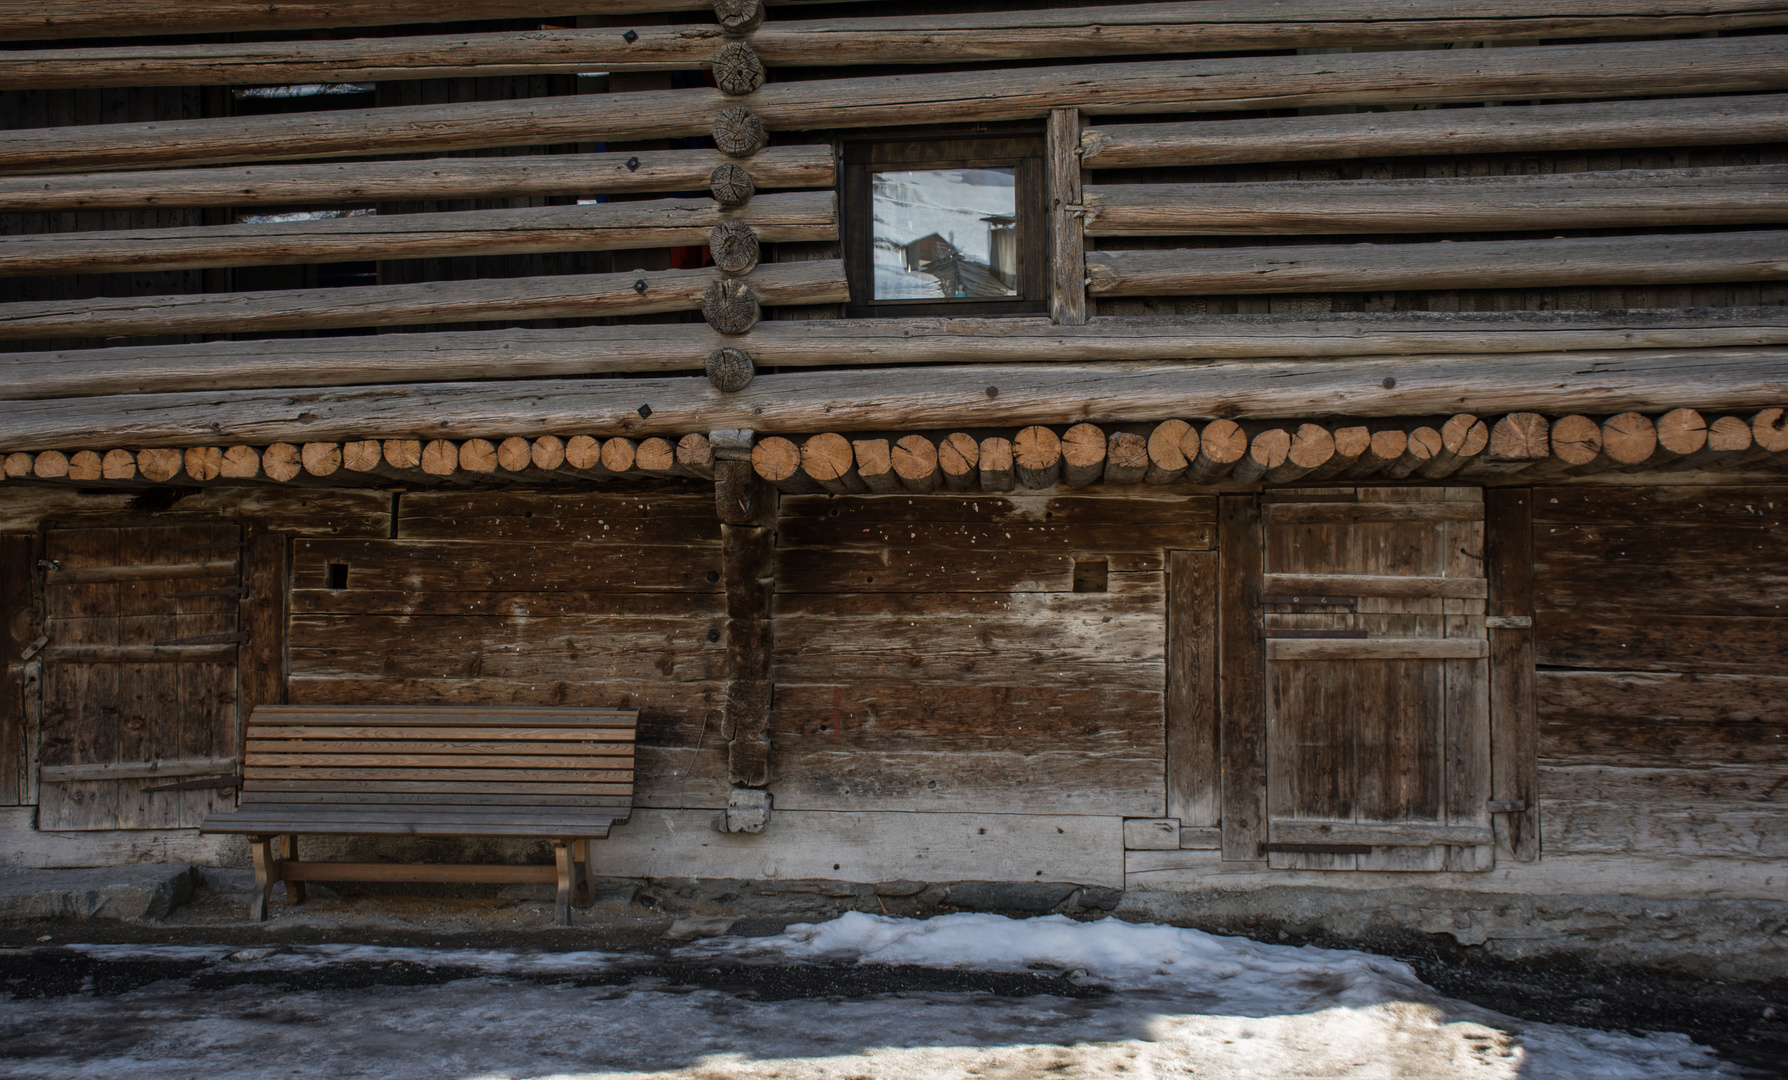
(565, 775)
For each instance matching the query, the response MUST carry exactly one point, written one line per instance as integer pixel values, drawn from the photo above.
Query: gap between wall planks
(1514, 776)
(1692, 66)
(342, 361)
(1599, 382)
(924, 39)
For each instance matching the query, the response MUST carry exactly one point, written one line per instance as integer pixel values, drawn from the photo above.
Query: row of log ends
(730, 305)
(1221, 451)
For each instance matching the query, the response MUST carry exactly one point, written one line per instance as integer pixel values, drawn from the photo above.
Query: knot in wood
(730, 306)
(731, 185)
(737, 70)
(738, 16)
(738, 132)
(729, 369)
(734, 247)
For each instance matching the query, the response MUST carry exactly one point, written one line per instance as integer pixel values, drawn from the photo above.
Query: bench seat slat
(465, 787)
(310, 716)
(606, 803)
(585, 762)
(349, 812)
(584, 775)
(272, 827)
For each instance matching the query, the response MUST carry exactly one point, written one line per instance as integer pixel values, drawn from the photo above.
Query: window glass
(944, 234)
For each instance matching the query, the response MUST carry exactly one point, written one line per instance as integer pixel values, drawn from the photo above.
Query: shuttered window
(139, 681)
(1375, 666)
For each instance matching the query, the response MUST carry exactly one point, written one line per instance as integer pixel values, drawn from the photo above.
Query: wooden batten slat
(1389, 834)
(139, 654)
(1376, 648)
(933, 398)
(367, 183)
(923, 39)
(1373, 584)
(794, 216)
(395, 715)
(1491, 130)
(1725, 195)
(1483, 264)
(1691, 66)
(304, 755)
(462, 735)
(439, 787)
(572, 774)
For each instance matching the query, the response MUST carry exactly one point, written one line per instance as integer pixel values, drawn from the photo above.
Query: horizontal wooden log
(137, 770)
(26, 19)
(1611, 828)
(1703, 507)
(1488, 264)
(597, 227)
(1527, 129)
(913, 399)
(1735, 195)
(1732, 785)
(1691, 66)
(1376, 648)
(924, 39)
(580, 296)
(365, 183)
(338, 361)
(1661, 719)
(1691, 571)
(1744, 645)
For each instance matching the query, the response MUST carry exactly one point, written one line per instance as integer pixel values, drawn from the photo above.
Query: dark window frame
(1023, 151)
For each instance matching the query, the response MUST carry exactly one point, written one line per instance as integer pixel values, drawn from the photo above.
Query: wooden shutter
(1376, 669)
(139, 674)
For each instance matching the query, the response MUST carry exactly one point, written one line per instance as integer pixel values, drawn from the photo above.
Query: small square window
(950, 226)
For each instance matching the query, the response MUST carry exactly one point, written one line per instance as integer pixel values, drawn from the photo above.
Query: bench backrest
(472, 756)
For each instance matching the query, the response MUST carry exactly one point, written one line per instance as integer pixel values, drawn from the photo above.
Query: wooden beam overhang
(1463, 447)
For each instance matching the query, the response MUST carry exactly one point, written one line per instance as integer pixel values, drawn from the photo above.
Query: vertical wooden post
(746, 571)
(18, 626)
(567, 869)
(1514, 732)
(1067, 246)
(1242, 677)
(288, 852)
(266, 875)
(261, 660)
(1194, 774)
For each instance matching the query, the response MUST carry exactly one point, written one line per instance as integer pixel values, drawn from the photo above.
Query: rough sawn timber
(1653, 379)
(1691, 66)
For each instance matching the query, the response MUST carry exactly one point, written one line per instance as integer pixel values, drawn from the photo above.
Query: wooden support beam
(1514, 731)
(1621, 69)
(795, 216)
(27, 19)
(1527, 129)
(518, 353)
(1667, 259)
(923, 39)
(1629, 198)
(932, 398)
(1242, 679)
(748, 579)
(368, 183)
(1067, 234)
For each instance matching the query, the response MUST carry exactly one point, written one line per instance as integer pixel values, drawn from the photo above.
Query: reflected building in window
(945, 234)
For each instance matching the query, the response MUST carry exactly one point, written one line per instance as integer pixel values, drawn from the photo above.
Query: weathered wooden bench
(564, 775)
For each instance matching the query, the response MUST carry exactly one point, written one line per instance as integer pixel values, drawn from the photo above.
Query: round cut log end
(514, 454)
(730, 369)
(18, 464)
(440, 457)
(1521, 437)
(1036, 447)
(1166, 445)
(241, 463)
(160, 464)
(1769, 430)
(695, 453)
(86, 465)
(730, 306)
(619, 454)
(1312, 446)
(958, 454)
(738, 16)
(1629, 438)
(1083, 444)
(656, 455)
(1576, 440)
(1729, 435)
(731, 185)
(1682, 431)
(478, 456)
(1464, 435)
(1352, 441)
(775, 458)
(361, 455)
(547, 452)
(321, 459)
(914, 457)
(583, 452)
(737, 69)
(827, 457)
(735, 247)
(118, 465)
(50, 465)
(738, 132)
(281, 462)
(403, 453)
(203, 462)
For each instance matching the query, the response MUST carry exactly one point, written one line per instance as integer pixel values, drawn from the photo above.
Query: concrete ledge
(141, 891)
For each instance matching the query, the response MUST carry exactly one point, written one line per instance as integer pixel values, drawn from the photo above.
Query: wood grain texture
(1194, 736)
(945, 397)
(1514, 754)
(1469, 264)
(1693, 66)
(1242, 678)
(1527, 129)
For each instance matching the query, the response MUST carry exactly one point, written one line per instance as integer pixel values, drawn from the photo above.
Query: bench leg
(584, 890)
(562, 857)
(288, 852)
(266, 874)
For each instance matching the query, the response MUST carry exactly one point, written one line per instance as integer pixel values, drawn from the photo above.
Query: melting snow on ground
(1183, 1004)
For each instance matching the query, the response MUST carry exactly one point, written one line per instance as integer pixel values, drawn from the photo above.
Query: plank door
(139, 676)
(1377, 711)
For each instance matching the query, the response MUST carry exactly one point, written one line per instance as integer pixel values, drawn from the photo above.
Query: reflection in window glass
(942, 234)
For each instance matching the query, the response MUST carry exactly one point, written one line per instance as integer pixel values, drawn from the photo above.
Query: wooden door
(1376, 670)
(139, 676)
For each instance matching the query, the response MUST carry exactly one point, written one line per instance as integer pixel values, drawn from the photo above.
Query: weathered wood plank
(940, 570)
(1708, 507)
(939, 397)
(428, 566)
(1584, 828)
(1660, 642)
(1723, 570)
(893, 715)
(1733, 195)
(19, 621)
(1412, 585)
(847, 518)
(1067, 261)
(342, 361)
(1014, 533)
(562, 297)
(1194, 749)
(794, 216)
(1527, 129)
(1508, 564)
(981, 782)
(1661, 720)
(1376, 648)
(1719, 787)
(648, 517)
(1242, 680)
(1664, 259)
(1693, 66)
(1401, 834)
